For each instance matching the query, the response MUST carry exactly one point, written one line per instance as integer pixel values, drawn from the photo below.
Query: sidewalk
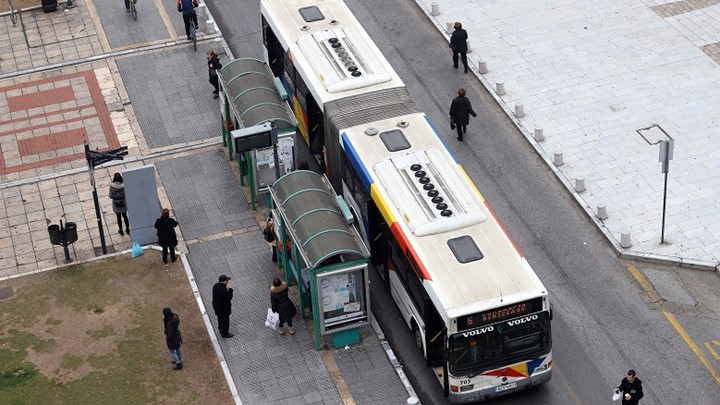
(592, 76)
(114, 81)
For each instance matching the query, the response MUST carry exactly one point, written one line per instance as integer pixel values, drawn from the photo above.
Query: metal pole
(97, 212)
(662, 232)
(64, 242)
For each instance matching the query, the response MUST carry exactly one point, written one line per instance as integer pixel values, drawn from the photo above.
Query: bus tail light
(454, 388)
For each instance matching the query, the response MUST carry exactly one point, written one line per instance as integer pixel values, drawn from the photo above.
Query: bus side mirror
(551, 312)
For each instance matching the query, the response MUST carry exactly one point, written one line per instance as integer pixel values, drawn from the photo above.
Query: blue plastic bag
(137, 250)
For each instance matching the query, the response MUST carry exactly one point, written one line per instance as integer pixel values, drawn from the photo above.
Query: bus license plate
(506, 387)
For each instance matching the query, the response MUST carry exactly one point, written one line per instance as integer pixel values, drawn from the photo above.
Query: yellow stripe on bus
(471, 183)
(382, 205)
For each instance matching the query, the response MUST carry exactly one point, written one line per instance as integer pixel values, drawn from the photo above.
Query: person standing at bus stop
(460, 111)
(281, 304)
(222, 294)
(167, 238)
(631, 388)
(214, 66)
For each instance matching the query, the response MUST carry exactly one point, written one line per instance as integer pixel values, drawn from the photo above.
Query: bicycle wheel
(133, 10)
(193, 36)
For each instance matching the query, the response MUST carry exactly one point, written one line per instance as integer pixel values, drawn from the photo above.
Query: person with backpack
(187, 8)
(117, 195)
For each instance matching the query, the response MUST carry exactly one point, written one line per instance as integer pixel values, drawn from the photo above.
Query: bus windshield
(476, 350)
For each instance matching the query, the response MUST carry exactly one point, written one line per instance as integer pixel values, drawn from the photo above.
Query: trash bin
(54, 232)
(71, 232)
(49, 5)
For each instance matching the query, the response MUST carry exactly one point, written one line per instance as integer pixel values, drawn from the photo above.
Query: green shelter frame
(317, 245)
(250, 96)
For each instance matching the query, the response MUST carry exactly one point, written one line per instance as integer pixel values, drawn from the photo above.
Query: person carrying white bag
(272, 320)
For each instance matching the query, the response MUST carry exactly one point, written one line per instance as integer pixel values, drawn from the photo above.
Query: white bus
(479, 312)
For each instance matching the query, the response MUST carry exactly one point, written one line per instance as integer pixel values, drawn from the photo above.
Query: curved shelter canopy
(312, 216)
(253, 98)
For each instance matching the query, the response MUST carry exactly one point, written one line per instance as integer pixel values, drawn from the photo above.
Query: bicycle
(193, 36)
(133, 10)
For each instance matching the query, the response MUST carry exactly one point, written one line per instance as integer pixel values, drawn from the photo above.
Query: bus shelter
(324, 253)
(251, 97)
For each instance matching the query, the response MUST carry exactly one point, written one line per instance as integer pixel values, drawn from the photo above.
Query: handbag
(452, 123)
(272, 320)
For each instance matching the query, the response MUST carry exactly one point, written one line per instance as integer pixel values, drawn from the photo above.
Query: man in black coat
(460, 111)
(458, 43)
(631, 388)
(222, 296)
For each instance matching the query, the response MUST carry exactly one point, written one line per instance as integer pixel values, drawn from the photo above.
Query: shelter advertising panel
(343, 298)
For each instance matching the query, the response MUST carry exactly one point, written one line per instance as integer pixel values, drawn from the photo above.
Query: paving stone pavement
(593, 76)
(49, 38)
(171, 96)
(120, 28)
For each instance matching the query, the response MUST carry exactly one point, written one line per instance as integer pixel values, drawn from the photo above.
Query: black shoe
(188, 38)
(459, 139)
(121, 232)
(197, 27)
(216, 95)
(455, 66)
(466, 70)
(229, 335)
(178, 366)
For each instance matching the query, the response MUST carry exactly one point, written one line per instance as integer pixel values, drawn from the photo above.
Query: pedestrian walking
(214, 66)
(631, 389)
(166, 235)
(173, 339)
(269, 236)
(222, 294)
(281, 304)
(460, 111)
(119, 205)
(458, 44)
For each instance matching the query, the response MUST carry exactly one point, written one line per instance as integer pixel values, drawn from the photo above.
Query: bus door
(378, 239)
(275, 51)
(435, 343)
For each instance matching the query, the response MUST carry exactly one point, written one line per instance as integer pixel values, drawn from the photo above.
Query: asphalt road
(605, 322)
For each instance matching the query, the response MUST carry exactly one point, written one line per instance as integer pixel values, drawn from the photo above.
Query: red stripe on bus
(517, 249)
(409, 250)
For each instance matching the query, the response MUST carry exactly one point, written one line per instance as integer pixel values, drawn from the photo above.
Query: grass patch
(89, 334)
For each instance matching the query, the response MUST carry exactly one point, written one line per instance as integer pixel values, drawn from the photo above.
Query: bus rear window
(310, 14)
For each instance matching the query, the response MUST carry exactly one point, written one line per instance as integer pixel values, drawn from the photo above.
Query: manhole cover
(6, 292)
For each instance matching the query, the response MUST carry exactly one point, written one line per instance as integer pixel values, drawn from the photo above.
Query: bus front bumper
(494, 392)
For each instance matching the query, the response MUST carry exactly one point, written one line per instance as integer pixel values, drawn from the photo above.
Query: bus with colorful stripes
(480, 314)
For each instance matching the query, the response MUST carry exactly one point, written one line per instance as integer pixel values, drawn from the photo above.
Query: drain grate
(654, 134)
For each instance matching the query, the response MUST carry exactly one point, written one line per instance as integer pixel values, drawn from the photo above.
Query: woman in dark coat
(458, 43)
(173, 339)
(213, 66)
(166, 234)
(117, 195)
(460, 111)
(282, 305)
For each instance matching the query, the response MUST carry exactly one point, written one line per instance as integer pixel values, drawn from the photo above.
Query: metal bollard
(413, 401)
(519, 110)
(625, 239)
(602, 211)
(435, 8)
(558, 159)
(500, 88)
(579, 185)
(538, 135)
(202, 11)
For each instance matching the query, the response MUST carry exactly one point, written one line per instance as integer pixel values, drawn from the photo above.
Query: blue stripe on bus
(353, 157)
(440, 138)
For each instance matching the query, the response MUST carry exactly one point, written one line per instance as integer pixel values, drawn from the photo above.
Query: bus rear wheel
(418, 337)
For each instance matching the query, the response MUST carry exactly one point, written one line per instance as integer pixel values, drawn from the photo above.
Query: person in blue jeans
(173, 339)
(187, 8)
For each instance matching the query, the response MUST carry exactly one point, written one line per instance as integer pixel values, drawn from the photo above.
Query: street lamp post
(95, 159)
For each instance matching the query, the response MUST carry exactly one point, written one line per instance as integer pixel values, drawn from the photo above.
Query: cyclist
(127, 6)
(187, 8)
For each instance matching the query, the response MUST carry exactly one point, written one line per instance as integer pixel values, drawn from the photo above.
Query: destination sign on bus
(499, 314)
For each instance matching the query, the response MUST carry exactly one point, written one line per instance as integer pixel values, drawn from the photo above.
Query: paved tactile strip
(205, 195)
(163, 88)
